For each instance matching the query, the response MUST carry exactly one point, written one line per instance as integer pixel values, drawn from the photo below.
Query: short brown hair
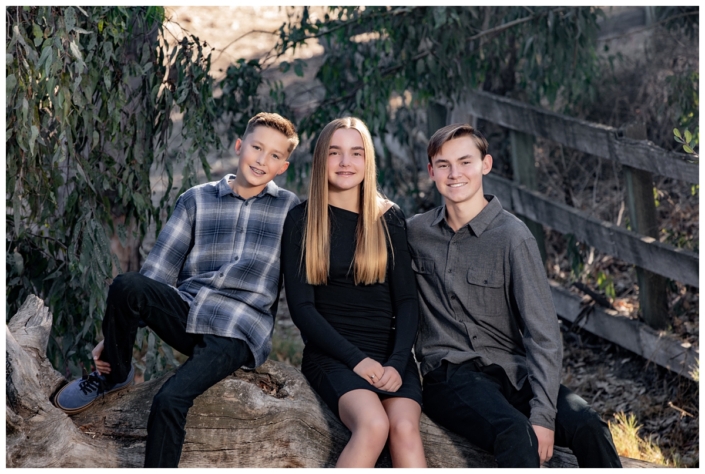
(455, 130)
(277, 122)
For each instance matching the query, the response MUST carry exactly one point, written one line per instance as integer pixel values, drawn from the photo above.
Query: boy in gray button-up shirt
(489, 344)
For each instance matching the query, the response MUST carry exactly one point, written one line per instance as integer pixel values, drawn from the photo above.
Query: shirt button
(452, 297)
(222, 274)
(237, 258)
(474, 337)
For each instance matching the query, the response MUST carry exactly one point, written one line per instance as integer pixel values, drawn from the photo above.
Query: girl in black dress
(352, 293)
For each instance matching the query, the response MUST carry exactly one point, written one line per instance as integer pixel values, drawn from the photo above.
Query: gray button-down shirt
(484, 295)
(221, 253)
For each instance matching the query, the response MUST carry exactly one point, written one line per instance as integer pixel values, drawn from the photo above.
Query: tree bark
(268, 417)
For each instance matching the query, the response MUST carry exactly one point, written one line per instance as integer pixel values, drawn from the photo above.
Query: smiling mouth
(257, 172)
(344, 173)
(456, 185)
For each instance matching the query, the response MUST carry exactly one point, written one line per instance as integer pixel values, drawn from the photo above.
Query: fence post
(524, 167)
(642, 215)
(436, 118)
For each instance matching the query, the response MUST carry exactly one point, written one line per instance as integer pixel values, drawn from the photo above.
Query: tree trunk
(269, 417)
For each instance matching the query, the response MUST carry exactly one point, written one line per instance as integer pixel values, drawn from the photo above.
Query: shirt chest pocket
(484, 292)
(423, 266)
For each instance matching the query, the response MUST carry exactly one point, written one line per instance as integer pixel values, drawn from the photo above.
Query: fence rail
(596, 139)
(657, 346)
(677, 264)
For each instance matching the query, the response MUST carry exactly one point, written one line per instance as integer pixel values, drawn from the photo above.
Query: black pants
(135, 300)
(481, 404)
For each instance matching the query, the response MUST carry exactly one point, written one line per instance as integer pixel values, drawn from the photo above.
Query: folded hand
(370, 370)
(390, 381)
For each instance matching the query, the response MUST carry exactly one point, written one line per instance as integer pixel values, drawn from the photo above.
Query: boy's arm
(173, 245)
(541, 334)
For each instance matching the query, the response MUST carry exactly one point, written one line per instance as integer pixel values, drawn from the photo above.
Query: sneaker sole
(74, 411)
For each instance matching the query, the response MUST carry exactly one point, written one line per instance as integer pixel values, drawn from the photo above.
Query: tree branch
(610, 38)
(519, 21)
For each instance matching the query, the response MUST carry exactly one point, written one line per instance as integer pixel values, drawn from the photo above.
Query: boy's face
(457, 170)
(263, 155)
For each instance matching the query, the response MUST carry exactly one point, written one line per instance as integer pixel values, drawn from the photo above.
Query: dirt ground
(611, 379)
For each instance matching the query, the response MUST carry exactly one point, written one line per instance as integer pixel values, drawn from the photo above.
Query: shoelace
(91, 383)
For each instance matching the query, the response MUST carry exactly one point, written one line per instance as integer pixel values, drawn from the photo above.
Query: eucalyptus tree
(91, 95)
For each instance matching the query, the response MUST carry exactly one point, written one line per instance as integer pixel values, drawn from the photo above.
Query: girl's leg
(362, 412)
(405, 444)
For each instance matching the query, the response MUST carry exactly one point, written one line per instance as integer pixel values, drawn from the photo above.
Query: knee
(375, 429)
(127, 282)
(403, 430)
(126, 287)
(590, 424)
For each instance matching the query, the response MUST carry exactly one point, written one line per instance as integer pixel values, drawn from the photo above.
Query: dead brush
(625, 434)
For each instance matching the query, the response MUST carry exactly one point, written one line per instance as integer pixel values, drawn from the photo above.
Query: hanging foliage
(384, 64)
(91, 93)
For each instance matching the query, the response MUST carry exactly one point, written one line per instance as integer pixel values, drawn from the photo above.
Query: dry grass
(625, 434)
(628, 441)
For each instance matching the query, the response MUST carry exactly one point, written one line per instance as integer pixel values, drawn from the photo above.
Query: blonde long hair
(370, 259)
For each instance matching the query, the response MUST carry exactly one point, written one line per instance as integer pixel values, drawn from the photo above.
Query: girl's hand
(390, 381)
(101, 366)
(370, 370)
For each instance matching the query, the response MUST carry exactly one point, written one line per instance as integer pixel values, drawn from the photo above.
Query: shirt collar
(224, 188)
(479, 224)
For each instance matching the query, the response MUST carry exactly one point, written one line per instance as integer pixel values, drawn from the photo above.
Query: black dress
(342, 323)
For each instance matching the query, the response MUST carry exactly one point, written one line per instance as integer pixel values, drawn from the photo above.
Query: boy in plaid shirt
(208, 288)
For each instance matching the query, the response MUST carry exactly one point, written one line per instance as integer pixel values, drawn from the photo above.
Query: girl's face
(346, 160)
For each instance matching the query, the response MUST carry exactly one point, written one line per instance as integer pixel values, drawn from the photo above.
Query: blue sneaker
(80, 394)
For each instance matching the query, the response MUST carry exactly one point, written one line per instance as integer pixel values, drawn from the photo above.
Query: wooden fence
(655, 261)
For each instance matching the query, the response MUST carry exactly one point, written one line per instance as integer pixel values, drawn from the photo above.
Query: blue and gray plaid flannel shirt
(221, 253)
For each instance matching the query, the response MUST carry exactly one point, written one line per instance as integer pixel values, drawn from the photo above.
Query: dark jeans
(135, 300)
(481, 404)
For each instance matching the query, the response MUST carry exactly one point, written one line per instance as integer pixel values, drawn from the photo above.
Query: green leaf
(10, 84)
(688, 136)
(37, 31)
(33, 138)
(420, 66)
(107, 79)
(46, 52)
(76, 52)
(298, 69)
(69, 18)
(688, 149)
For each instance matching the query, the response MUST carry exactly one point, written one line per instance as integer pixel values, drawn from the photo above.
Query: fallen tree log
(269, 417)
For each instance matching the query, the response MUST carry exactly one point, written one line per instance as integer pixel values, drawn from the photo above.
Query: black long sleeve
(402, 284)
(346, 321)
(301, 299)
